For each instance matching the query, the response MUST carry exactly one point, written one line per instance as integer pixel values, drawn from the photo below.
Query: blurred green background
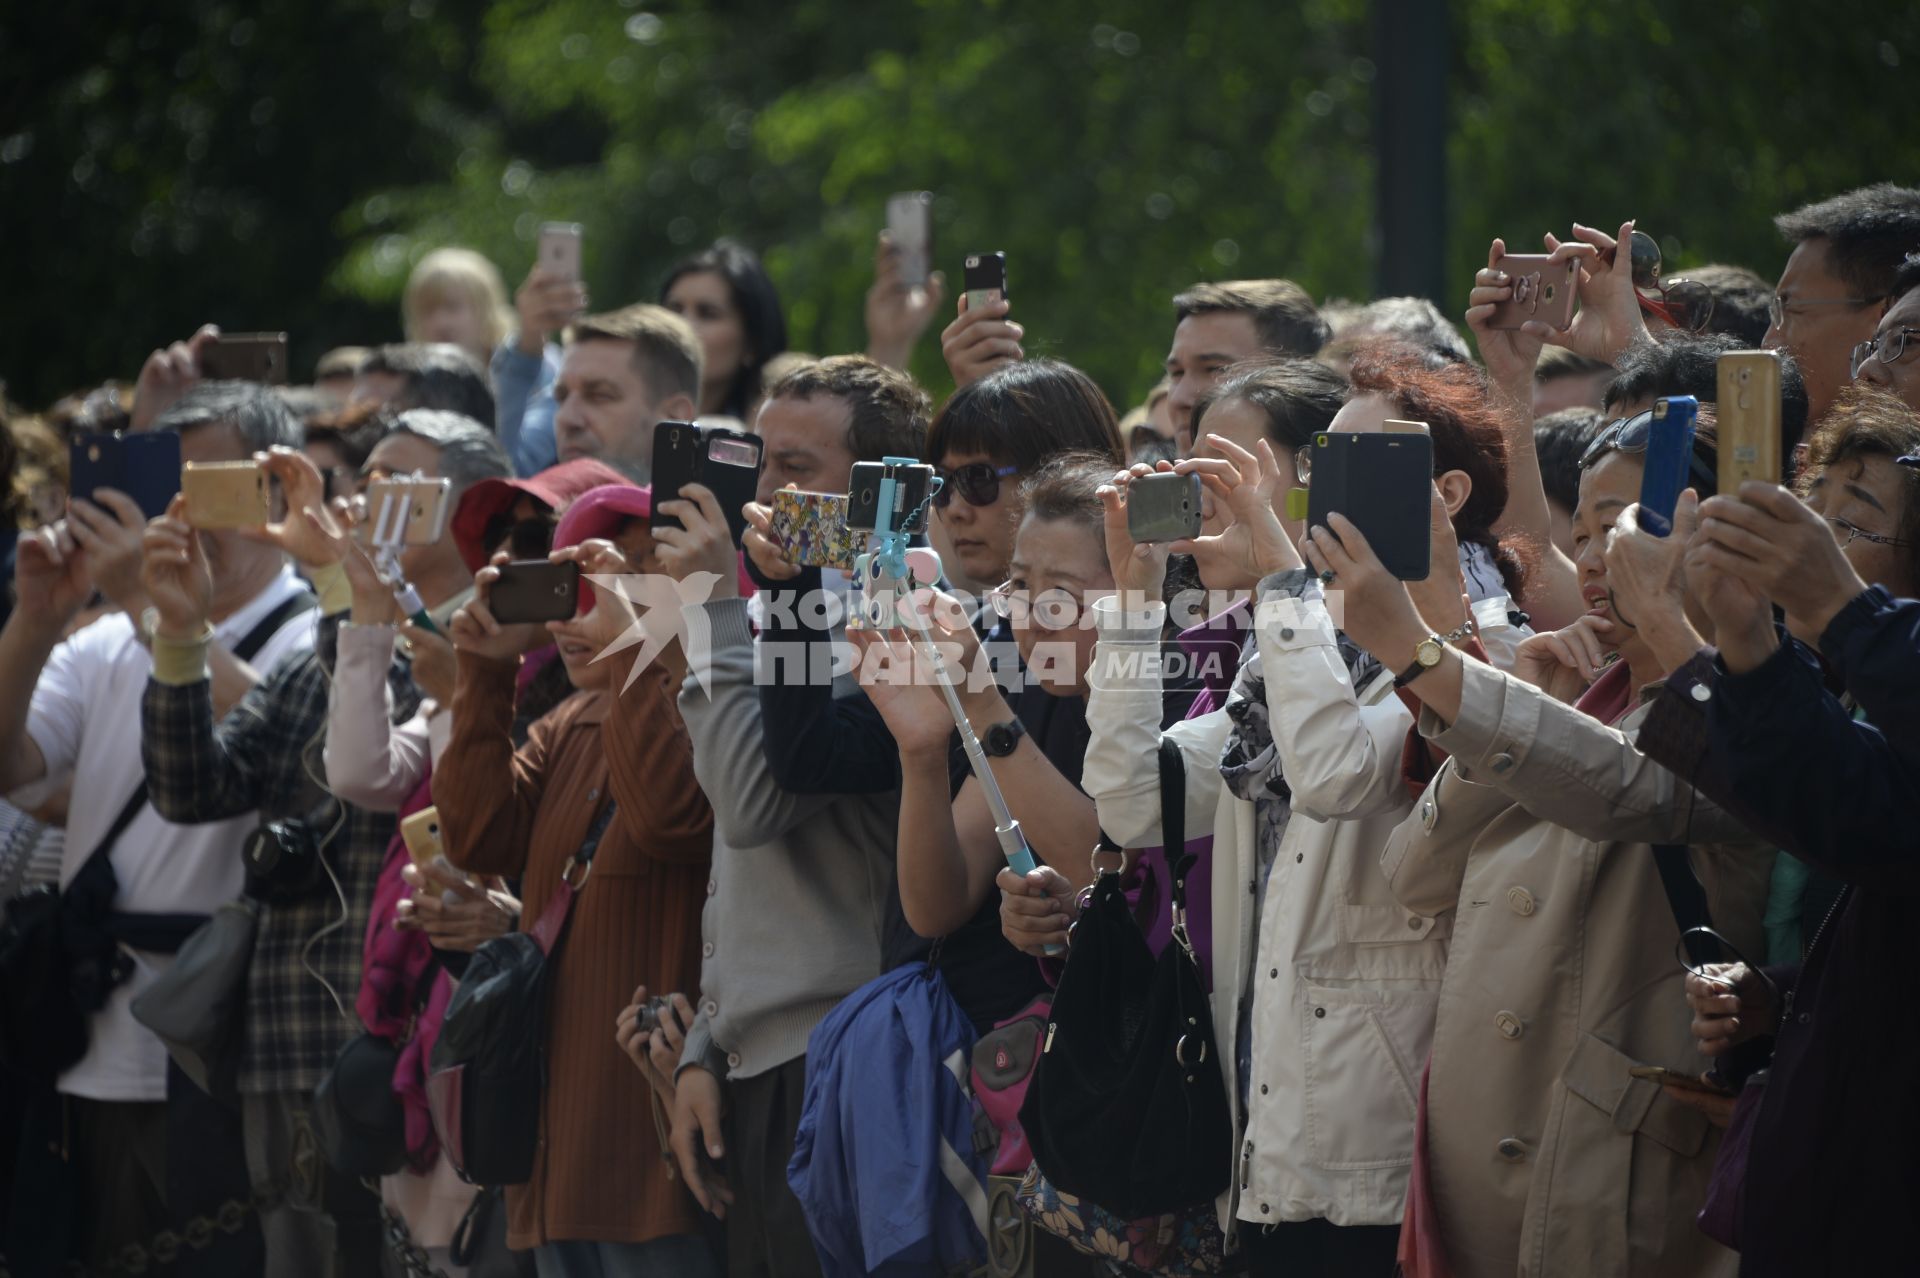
(281, 164)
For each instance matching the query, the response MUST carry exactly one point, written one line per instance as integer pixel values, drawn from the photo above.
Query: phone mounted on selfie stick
(389, 535)
(886, 583)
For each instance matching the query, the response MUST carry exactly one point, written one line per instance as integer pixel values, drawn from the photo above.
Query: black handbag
(358, 1120)
(1128, 1108)
(488, 1072)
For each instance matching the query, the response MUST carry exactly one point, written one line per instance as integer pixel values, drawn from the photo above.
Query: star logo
(661, 615)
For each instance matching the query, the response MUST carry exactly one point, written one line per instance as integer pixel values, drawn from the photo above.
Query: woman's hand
(978, 342)
(1609, 319)
(474, 629)
(1510, 354)
(1647, 575)
(898, 313)
(434, 666)
(1139, 567)
(1731, 1004)
(309, 531)
(1563, 663)
(1254, 545)
(1377, 613)
(896, 678)
(1035, 910)
(456, 911)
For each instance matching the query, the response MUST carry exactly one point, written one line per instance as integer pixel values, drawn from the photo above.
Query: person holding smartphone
(1532, 844)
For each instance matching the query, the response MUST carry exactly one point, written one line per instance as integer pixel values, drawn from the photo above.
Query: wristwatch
(1002, 739)
(1426, 655)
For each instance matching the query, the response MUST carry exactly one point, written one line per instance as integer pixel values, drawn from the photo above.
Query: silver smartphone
(910, 228)
(560, 249)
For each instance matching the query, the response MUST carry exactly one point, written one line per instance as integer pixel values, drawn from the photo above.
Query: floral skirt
(1173, 1245)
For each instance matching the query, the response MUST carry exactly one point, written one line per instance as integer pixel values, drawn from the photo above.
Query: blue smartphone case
(1669, 450)
(144, 465)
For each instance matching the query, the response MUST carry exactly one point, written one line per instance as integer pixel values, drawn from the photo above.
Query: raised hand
(898, 313)
(977, 342)
(169, 373)
(474, 629)
(456, 911)
(898, 681)
(1510, 354)
(51, 578)
(1255, 544)
(546, 303)
(761, 547)
(1139, 568)
(309, 531)
(704, 544)
(176, 575)
(112, 529)
(1609, 319)
(1781, 548)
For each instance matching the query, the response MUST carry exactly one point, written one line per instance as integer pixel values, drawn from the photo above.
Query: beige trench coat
(1546, 1158)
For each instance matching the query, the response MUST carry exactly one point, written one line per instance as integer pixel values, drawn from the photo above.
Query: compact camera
(283, 861)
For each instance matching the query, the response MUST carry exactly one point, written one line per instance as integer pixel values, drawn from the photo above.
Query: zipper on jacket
(1786, 1003)
(1246, 1165)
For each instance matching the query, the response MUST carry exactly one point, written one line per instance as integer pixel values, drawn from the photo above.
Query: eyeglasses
(1889, 348)
(1056, 609)
(1781, 306)
(1684, 303)
(978, 482)
(1630, 435)
(1854, 530)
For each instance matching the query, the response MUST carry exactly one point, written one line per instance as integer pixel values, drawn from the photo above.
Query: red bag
(1423, 1253)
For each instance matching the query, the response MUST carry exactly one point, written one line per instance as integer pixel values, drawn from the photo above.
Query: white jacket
(1344, 980)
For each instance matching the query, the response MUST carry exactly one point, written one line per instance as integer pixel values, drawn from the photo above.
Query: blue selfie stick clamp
(885, 577)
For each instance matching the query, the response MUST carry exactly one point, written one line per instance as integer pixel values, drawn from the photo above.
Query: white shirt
(85, 718)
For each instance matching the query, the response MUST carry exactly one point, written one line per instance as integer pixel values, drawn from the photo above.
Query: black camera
(283, 862)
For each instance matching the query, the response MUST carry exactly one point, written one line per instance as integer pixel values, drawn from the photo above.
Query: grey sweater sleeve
(700, 1049)
(721, 707)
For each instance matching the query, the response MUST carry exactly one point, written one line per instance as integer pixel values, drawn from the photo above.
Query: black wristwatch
(1002, 739)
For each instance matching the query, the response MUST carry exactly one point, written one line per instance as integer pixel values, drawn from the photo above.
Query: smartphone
(1689, 1082)
(1748, 414)
(986, 278)
(421, 833)
(907, 506)
(910, 229)
(1669, 452)
(811, 529)
(407, 510)
(559, 252)
(226, 494)
(725, 460)
(426, 509)
(1384, 484)
(530, 590)
(1163, 507)
(246, 357)
(1540, 291)
(144, 466)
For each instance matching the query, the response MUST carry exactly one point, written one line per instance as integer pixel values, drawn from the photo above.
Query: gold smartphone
(421, 833)
(1747, 415)
(1674, 1078)
(226, 494)
(405, 510)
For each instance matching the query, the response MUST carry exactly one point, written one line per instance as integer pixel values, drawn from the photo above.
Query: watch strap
(1010, 732)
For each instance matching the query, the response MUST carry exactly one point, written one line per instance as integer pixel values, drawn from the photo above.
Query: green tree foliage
(284, 165)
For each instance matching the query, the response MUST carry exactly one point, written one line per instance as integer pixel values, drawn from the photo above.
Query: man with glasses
(1890, 359)
(1836, 281)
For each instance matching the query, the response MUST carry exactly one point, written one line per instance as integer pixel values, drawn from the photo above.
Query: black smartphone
(1384, 484)
(986, 277)
(145, 466)
(246, 357)
(1163, 507)
(727, 461)
(909, 502)
(532, 590)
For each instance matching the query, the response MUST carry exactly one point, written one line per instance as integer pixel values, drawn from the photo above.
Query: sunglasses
(530, 538)
(1630, 435)
(978, 482)
(1685, 304)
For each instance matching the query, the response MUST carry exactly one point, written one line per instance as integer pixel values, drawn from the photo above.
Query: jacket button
(1413, 923)
(1508, 1024)
(710, 1008)
(1286, 632)
(1520, 900)
(706, 951)
(1427, 814)
(1513, 1149)
(713, 886)
(733, 1060)
(1320, 1013)
(1273, 974)
(1264, 1209)
(1501, 763)
(1700, 692)
(1263, 1089)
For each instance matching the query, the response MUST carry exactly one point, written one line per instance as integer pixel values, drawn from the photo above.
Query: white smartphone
(910, 227)
(560, 249)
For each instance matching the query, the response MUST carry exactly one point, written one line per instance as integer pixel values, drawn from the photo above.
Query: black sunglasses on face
(1630, 435)
(530, 538)
(978, 482)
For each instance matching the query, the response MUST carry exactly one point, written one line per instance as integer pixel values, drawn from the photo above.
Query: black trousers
(1314, 1247)
(767, 1233)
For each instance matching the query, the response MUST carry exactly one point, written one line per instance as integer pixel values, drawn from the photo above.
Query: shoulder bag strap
(552, 923)
(1173, 832)
(268, 626)
(1688, 901)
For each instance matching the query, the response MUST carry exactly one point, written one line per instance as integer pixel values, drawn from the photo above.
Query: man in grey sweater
(798, 902)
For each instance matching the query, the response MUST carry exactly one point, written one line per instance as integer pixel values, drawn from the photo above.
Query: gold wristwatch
(1427, 653)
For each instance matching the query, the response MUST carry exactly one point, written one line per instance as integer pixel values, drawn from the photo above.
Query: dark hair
(469, 452)
(1454, 402)
(354, 430)
(1866, 421)
(1284, 316)
(1559, 439)
(438, 375)
(1906, 279)
(1558, 361)
(1298, 396)
(888, 410)
(261, 416)
(1741, 299)
(666, 350)
(1413, 320)
(1688, 364)
(1067, 487)
(758, 302)
(1026, 413)
(1867, 231)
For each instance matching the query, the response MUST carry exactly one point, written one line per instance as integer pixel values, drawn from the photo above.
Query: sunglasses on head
(1630, 435)
(978, 482)
(1685, 304)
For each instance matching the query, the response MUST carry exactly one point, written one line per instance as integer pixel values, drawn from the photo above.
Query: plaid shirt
(266, 756)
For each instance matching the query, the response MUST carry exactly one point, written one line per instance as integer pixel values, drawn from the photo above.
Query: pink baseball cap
(600, 512)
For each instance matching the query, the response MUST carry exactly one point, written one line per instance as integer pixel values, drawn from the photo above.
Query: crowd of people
(1535, 898)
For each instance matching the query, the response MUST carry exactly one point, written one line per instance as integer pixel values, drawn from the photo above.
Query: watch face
(1428, 653)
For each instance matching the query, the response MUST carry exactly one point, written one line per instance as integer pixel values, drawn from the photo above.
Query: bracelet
(1465, 630)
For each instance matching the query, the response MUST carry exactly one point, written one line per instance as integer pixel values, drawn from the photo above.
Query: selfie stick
(389, 533)
(887, 567)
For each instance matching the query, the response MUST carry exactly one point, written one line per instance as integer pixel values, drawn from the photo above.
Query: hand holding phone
(226, 494)
(1163, 507)
(535, 590)
(1542, 291)
(1660, 1074)
(145, 466)
(910, 232)
(724, 460)
(1384, 484)
(246, 357)
(810, 529)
